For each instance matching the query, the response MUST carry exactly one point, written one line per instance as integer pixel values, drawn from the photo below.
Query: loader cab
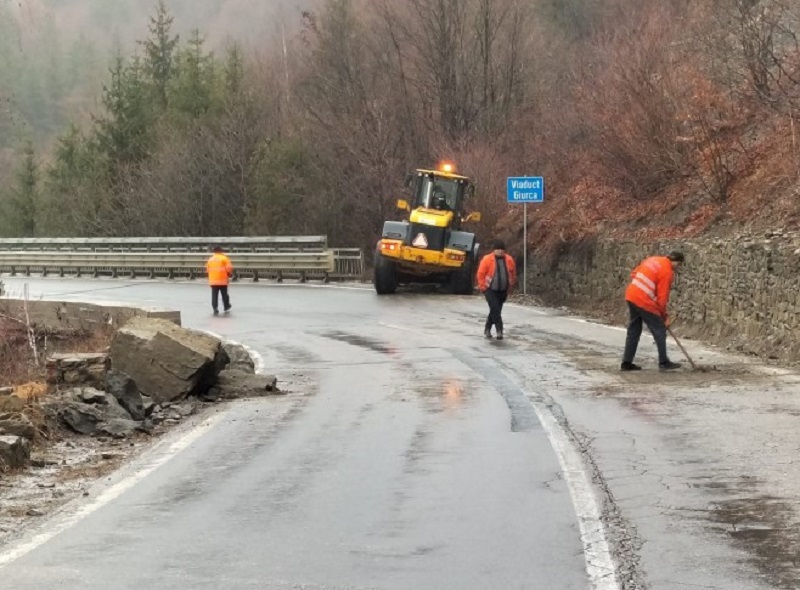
(438, 191)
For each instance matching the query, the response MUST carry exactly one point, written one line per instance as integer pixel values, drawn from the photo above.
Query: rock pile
(155, 373)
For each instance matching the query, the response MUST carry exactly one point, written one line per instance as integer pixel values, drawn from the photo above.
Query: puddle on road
(716, 484)
(439, 396)
(296, 355)
(783, 410)
(361, 341)
(765, 528)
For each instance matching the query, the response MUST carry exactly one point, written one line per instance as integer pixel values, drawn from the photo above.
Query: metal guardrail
(260, 265)
(235, 244)
(305, 257)
(349, 264)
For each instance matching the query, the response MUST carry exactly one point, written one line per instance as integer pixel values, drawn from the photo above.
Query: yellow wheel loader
(431, 246)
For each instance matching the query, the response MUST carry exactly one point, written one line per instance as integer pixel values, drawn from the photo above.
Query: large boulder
(113, 410)
(234, 383)
(240, 359)
(82, 418)
(15, 452)
(167, 361)
(126, 392)
(89, 411)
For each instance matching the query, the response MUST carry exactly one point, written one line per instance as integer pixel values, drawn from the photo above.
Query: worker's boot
(669, 366)
(487, 333)
(628, 366)
(499, 334)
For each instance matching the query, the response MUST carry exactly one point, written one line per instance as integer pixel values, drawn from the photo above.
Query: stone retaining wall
(742, 293)
(70, 315)
(78, 369)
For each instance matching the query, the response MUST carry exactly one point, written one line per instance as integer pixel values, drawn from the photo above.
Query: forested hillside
(667, 118)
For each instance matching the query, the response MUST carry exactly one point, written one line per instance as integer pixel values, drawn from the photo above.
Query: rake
(684, 351)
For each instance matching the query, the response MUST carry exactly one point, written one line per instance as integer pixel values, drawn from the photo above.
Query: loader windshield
(437, 192)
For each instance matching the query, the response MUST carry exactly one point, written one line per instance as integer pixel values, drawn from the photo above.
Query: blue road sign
(526, 189)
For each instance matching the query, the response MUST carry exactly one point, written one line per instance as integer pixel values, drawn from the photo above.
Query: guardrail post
(27, 271)
(13, 271)
(255, 276)
(302, 276)
(280, 276)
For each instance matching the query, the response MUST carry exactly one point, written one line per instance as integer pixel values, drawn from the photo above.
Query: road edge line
(600, 565)
(113, 492)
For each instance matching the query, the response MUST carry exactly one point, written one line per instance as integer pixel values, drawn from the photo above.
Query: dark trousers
(656, 326)
(215, 292)
(495, 299)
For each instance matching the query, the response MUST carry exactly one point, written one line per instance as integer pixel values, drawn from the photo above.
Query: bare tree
(755, 44)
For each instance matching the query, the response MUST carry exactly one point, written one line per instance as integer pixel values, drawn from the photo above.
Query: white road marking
(144, 282)
(595, 324)
(258, 360)
(394, 327)
(599, 563)
(114, 491)
(526, 308)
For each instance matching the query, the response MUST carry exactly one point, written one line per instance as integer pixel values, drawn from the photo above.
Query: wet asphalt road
(409, 453)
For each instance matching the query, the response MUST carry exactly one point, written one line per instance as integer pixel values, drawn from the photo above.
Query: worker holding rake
(647, 297)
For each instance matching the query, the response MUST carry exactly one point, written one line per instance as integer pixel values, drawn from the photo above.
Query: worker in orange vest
(497, 275)
(647, 297)
(220, 270)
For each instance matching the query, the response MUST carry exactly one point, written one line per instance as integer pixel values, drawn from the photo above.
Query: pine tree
(24, 196)
(194, 86)
(159, 60)
(124, 132)
(234, 71)
(75, 194)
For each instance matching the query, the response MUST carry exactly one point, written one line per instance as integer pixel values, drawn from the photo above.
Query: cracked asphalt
(410, 453)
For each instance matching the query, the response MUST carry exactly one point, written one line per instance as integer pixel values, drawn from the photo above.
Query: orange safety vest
(651, 283)
(219, 269)
(488, 267)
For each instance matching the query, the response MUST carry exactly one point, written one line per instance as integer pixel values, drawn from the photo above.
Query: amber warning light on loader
(448, 167)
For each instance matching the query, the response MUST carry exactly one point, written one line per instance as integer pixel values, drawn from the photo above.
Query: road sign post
(525, 189)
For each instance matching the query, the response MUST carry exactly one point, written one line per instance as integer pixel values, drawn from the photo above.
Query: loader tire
(462, 280)
(385, 277)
